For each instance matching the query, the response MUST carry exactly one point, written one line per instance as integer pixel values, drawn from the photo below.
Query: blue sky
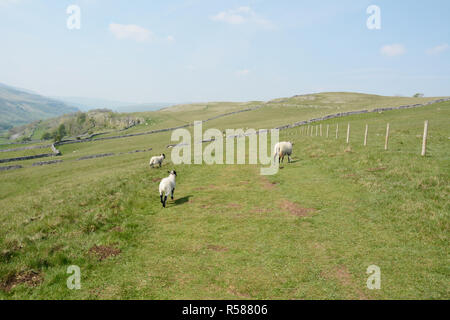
(192, 50)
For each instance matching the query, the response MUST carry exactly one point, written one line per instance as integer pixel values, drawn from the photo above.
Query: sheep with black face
(157, 160)
(167, 186)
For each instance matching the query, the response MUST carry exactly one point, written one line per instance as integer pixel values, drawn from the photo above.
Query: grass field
(309, 232)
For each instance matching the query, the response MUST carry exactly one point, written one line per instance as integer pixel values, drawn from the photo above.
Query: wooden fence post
(337, 130)
(348, 133)
(365, 134)
(424, 141)
(328, 129)
(316, 131)
(387, 137)
(320, 129)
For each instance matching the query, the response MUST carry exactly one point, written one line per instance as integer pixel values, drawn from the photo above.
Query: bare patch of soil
(103, 252)
(295, 209)
(28, 277)
(268, 185)
(342, 274)
(234, 205)
(156, 179)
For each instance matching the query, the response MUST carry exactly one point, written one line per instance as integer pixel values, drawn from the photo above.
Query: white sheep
(157, 160)
(167, 186)
(282, 149)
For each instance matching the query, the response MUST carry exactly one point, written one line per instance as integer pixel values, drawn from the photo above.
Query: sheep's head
(172, 172)
(163, 155)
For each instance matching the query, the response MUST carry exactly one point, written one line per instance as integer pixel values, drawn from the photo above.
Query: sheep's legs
(163, 200)
(171, 195)
(289, 159)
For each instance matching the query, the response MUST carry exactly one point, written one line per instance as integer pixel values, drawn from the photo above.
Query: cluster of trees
(56, 135)
(88, 122)
(78, 124)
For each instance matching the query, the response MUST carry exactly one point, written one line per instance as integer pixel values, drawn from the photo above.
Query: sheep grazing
(167, 186)
(281, 150)
(157, 160)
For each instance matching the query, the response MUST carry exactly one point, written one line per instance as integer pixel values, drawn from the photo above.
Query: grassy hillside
(310, 231)
(269, 114)
(19, 107)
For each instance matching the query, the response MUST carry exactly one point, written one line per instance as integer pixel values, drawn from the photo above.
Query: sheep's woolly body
(167, 187)
(157, 160)
(283, 149)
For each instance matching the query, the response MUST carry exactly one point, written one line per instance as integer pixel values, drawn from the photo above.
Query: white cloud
(240, 15)
(242, 72)
(170, 38)
(438, 49)
(130, 31)
(392, 50)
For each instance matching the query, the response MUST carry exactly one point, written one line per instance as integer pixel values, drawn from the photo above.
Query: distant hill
(143, 107)
(86, 104)
(18, 107)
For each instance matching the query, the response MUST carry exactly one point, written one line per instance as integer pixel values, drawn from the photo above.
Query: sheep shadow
(180, 201)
